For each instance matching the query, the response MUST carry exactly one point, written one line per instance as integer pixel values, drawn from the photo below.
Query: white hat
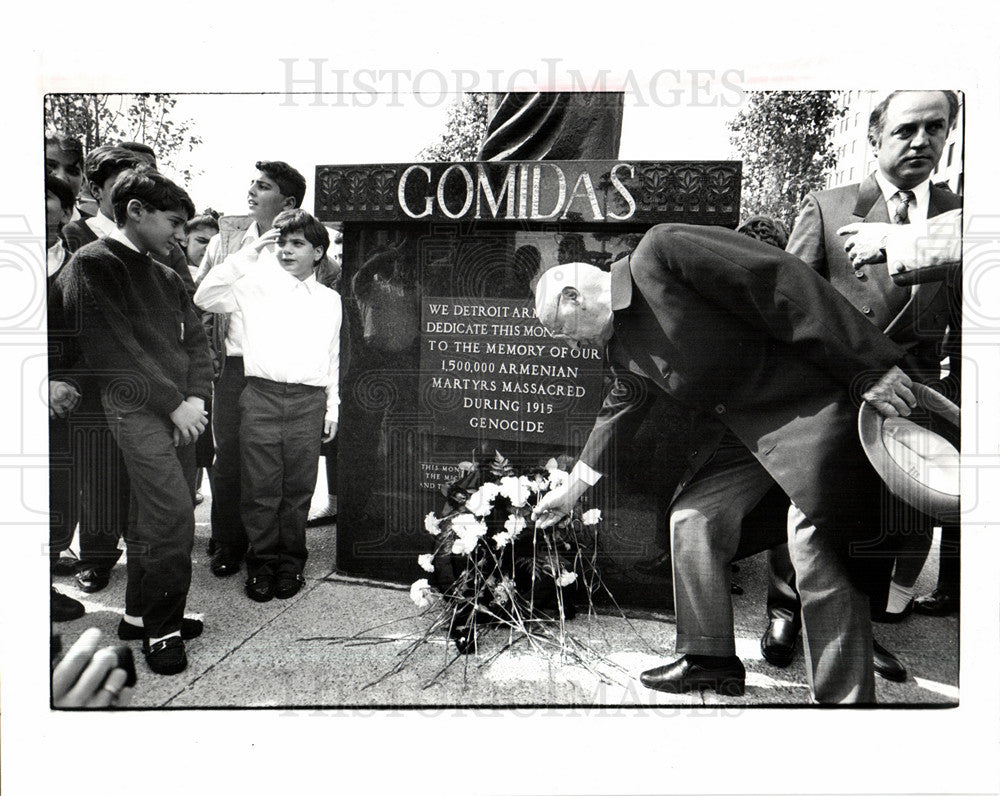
(919, 466)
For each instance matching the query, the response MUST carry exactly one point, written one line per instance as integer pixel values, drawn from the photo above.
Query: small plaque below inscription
(489, 369)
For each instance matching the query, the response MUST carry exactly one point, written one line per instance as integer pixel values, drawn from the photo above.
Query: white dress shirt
(55, 256)
(120, 236)
(212, 258)
(291, 327)
(101, 225)
(917, 210)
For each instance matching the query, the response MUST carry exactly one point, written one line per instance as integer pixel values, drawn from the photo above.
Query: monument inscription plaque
(488, 365)
(447, 360)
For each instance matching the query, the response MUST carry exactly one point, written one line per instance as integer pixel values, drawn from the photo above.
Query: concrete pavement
(337, 642)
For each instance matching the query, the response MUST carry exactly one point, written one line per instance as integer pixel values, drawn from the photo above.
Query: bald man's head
(573, 301)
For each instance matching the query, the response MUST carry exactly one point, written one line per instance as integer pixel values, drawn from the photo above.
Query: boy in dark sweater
(140, 334)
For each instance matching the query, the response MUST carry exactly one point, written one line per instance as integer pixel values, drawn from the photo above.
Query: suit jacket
(917, 320)
(740, 336)
(231, 232)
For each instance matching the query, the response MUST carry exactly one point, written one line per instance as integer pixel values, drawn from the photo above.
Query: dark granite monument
(444, 361)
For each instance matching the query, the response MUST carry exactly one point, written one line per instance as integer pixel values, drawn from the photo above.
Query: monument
(445, 362)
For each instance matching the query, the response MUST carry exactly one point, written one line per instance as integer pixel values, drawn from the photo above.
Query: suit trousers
(281, 429)
(160, 532)
(64, 486)
(705, 528)
(836, 618)
(227, 519)
(88, 483)
(906, 542)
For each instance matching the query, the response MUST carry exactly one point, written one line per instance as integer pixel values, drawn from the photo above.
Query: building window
(851, 175)
(951, 153)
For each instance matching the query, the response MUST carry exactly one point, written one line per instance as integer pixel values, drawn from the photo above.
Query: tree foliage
(99, 119)
(464, 132)
(785, 139)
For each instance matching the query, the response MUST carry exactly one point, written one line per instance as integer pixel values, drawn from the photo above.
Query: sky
(239, 129)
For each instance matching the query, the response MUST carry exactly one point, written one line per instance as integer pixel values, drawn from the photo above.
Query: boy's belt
(283, 388)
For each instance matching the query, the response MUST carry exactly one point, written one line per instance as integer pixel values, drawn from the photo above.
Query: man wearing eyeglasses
(763, 355)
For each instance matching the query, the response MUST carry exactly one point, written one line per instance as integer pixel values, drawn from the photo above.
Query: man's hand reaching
(891, 395)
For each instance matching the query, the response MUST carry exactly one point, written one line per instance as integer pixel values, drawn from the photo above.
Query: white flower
(516, 490)
(538, 484)
(467, 530)
(502, 539)
(432, 524)
(426, 562)
(420, 592)
(481, 503)
(514, 525)
(463, 545)
(566, 578)
(557, 477)
(591, 517)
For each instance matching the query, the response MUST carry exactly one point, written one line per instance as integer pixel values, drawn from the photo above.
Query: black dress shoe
(166, 656)
(690, 673)
(287, 586)
(64, 566)
(778, 642)
(260, 588)
(937, 603)
(657, 567)
(63, 608)
(887, 618)
(888, 665)
(224, 563)
(93, 579)
(190, 628)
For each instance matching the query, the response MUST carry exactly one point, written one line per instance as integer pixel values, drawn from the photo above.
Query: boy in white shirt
(291, 352)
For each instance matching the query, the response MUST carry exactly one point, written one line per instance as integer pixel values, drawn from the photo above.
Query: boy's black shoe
(288, 586)
(64, 566)
(225, 563)
(260, 588)
(190, 628)
(93, 579)
(166, 656)
(63, 608)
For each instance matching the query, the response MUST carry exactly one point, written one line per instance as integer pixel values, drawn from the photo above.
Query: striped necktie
(900, 213)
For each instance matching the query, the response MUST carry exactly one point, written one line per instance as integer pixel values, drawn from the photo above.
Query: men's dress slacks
(160, 533)
(64, 486)
(705, 526)
(227, 521)
(281, 430)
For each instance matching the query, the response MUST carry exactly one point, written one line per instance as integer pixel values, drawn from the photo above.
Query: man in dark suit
(759, 354)
(907, 132)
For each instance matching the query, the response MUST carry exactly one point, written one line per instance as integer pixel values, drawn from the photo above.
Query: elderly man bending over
(764, 356)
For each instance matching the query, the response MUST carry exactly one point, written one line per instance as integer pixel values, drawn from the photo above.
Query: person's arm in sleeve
(771, 291)
(217, 290)
(200, 368)
(332, 418)
(806, 240)
(622, 412)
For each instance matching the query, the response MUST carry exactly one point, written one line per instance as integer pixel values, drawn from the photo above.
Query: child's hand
(63, 398)
(329, 430)
(189, 421)
(265, 240)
